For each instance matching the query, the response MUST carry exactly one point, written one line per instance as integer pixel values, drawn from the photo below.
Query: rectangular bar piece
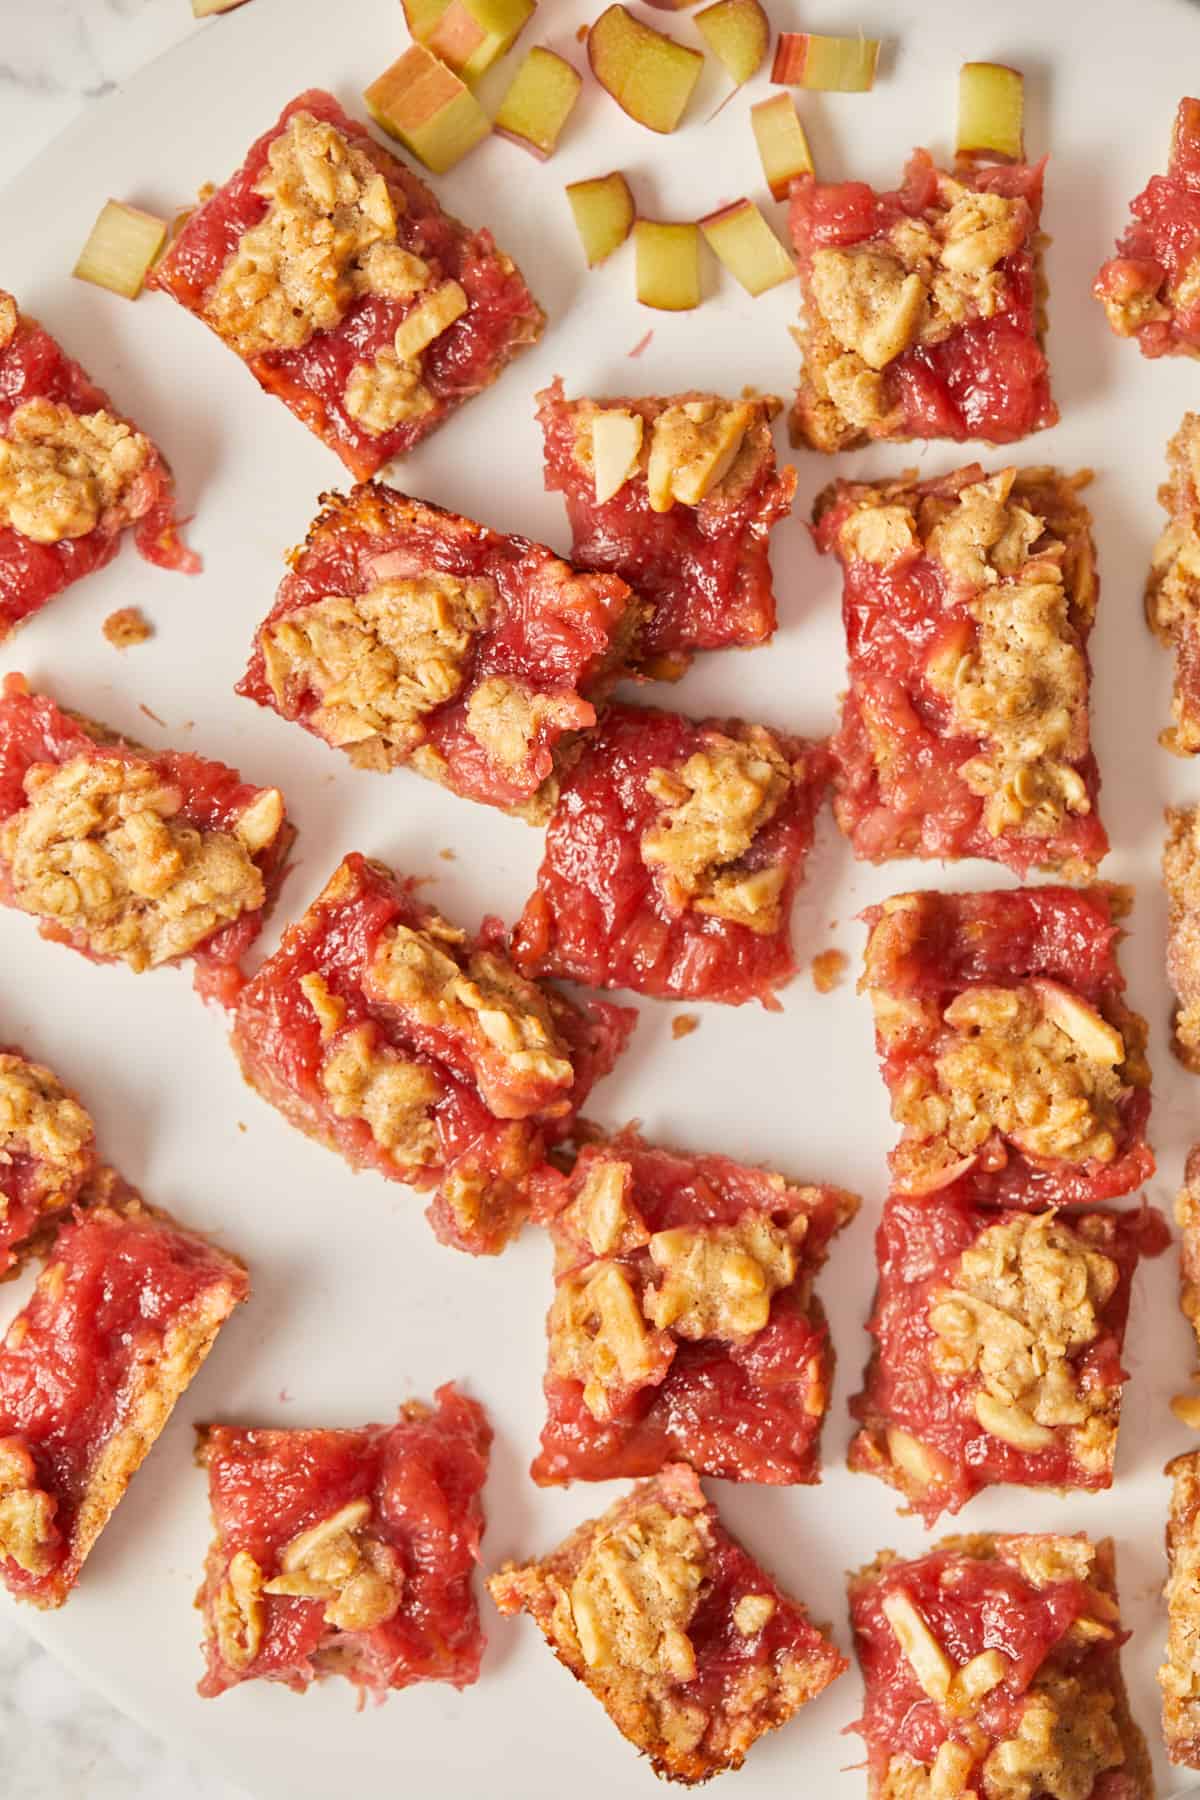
(922, 308)
(131, 855)
(684, 1320)
(1012, 1060)
(120, 1320)
(688, 1644)
(992, 1666)
(405, 635)
(346, 1552)
(968, 602)
(677, 494)
(1150, 289)
(672, 859)
(330, 269)
(411, 1048)
(998, 1339)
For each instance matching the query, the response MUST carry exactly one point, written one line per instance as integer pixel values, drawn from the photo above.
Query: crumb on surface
(241, 1124)
(828, 969)
(581, 36)
(642, 344)
(683, 1025)
(126, 627)
(448, 855)
(143, 708)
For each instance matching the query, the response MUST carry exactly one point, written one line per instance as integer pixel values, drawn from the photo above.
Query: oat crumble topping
(38, 1118)
(339, 1560)
(385, 392)
(1181, 875)
(1173, 587)
(505, 717)
(64, 473)
(719, 1280)
(240, 1612)
(127, 627)
(27, 1531)
(8, 319)
(365, 1080)
(693, 446)
(635, 1593)
(598, 1336)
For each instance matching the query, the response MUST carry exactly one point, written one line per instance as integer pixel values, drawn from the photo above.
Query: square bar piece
(407, 635)
(74, 476)
(676, 494)
(131, 855)
(331, 270)
(992, 1667)
(1173, 585)
(119, 1323)
(413, 1049)
(47, 1155)
(923, 308)
(346, 1552)
(690, 1647)
(684, 1320)
(997, 1353)
(968, 602)
(1151, 288)
(1010, 1055)
(1179, 1675)
(672, 859)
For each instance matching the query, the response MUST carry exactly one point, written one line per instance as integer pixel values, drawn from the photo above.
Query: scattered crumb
(285, 1396)
(126, 627)
(1186, 1408)
(642, 344)
(828, 969)
(152, 715)
(581, 36)
(448, 855)
(683, 1025)
(750, 392)
(241, 1126)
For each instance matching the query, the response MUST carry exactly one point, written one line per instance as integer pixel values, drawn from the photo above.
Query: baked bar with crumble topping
(677, 494)
(997, 1355)
(346, 1552)
(331, 270)
(992, 1667)
(1181, 878)
(1179, 1675)
(1010, 1055)
(688, 1644)
(47, 1155)
(968, 602)
(672, 859)
(1173, 586)
(1150, 289)
(684, 1321)
(414, 1049)
(407, 635)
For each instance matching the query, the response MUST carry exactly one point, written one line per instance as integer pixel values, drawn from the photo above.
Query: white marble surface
(61, 1740)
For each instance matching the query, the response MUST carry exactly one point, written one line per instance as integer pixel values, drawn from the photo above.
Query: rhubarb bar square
(1179, 1675)
(677, 495)
(416, 1050)
(673, 856)
(997, 1354)
(130, 855)
(75, 475)
(968, 602)
(1150, 289)
(120, 1321)
(47, 1155)
(331, 270)
(992, 1666)
(688, 1644)
(1173, 585)
(1012, 1060)
(407, 635)
(922, 312)
(346, 1552)
(684, 1321)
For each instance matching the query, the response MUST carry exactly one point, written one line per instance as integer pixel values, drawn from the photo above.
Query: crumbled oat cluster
(1181, 877)
(365, 1079)
(63, 473)
(1179, 1675)
(41, 1121)
(686, 452)
(1173, 586)
(27, 1531)
(127, 627)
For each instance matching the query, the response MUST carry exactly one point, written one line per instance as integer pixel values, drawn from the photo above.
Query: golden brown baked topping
(1173, 586)
(635, 1593)
(40, 1119)
(365, 1080)
(340, 1561)
(1179, 1675)
(597, 1335)
(100, 850)
(603, 1211)
(693, 447)
(329, 1008)
(506, 717)
(240, 1612)
(127, 627)
(871, 303)
(719, 1280)
(753, 1612)
(8, 319)
(1181, 875)
(385, 392)
(1067, 1738)
(27, 1532)
(879, 533)
(64, 473)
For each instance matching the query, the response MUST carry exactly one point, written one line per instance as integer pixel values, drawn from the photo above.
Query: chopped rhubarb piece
(1179, 1676)
(997, 1354)
(539, 102)
(1007, 1047)
(1173, 586)
(470, 35)
(648, 74)
(673, 857)
(603, 211)
(923, 308)
(412, 1049)
(407, 635)
(426, 107)
(782, 146)
(738, 34)
(129, 855)
(1150, 289)
(991, 113)
(74, 476)
(992, 1666)
(743, 241)
(120, 248)
(319, 328)
(346, 1552)
(668, 265)
(685, 519)
(832, 65)
(118, 1325)
(47, 1155)
(688, 1644)
(968, 602)
(684, 1319)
